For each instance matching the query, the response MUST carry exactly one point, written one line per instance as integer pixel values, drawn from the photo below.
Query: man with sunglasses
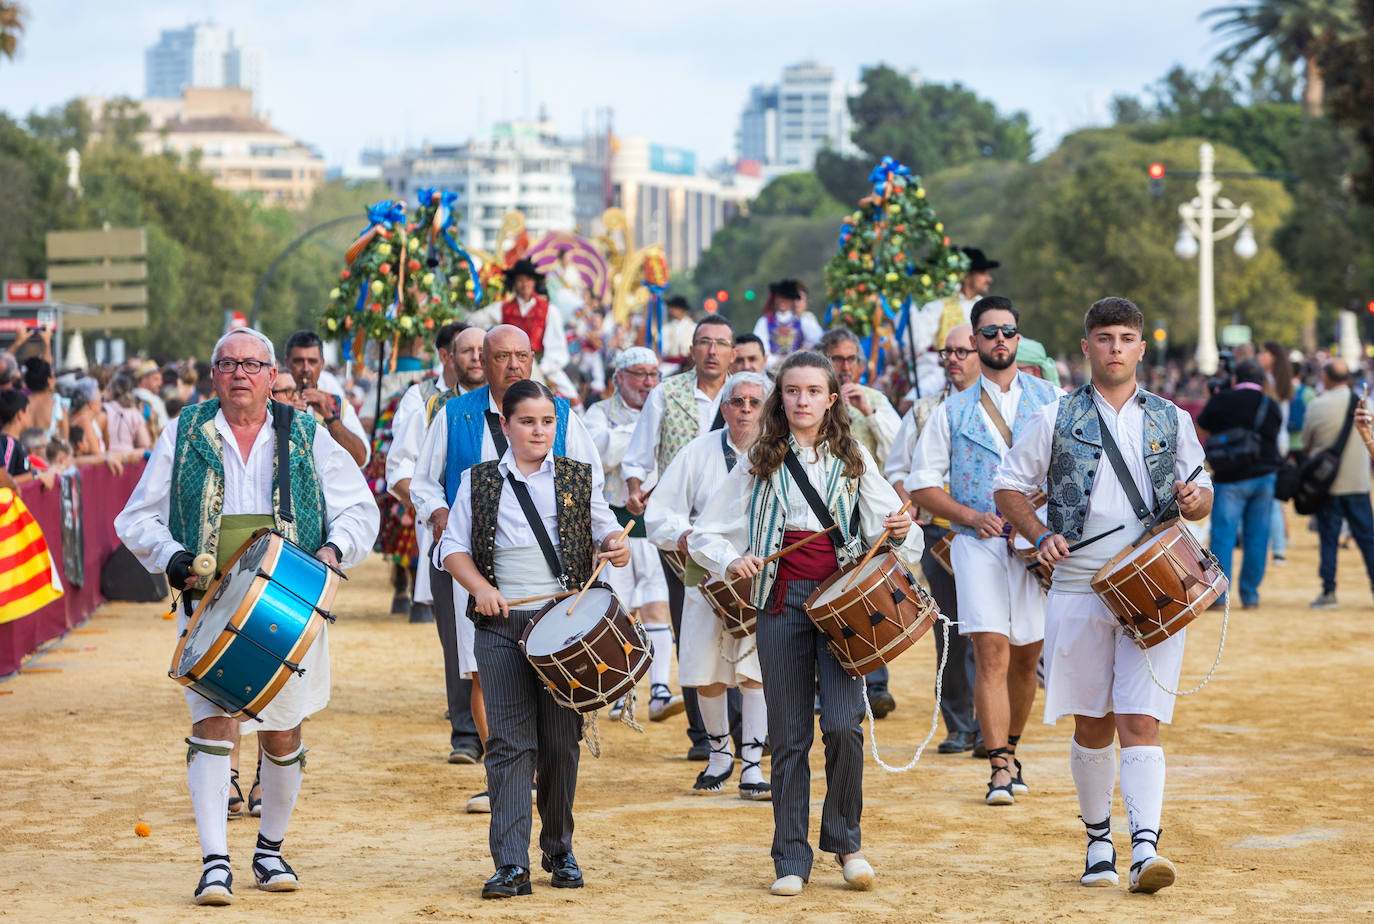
(641, 585)
(962, 369)
(1001, 607)
(210, 482)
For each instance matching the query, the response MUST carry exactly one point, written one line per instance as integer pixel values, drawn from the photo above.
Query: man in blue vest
(1001, 607)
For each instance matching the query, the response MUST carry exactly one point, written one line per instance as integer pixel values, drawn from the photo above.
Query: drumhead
(226, 595)
(1151, 546)
(556, 629)
(832, 593)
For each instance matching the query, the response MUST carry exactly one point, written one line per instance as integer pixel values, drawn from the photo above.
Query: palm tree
(1289, 30)
(11, 24)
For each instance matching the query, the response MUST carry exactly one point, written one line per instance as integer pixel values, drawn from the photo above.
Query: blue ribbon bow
(887, 167)
(385, 213)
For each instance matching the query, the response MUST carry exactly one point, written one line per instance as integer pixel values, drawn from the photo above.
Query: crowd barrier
(103, 495)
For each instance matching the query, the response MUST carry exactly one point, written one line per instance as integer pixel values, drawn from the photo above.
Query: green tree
(796, 194)
(1352, 95)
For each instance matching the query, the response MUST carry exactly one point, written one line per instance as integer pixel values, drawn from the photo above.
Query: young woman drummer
(498, 554)
(805, 429)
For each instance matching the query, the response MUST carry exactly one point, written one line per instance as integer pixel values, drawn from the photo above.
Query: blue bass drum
(251, 630)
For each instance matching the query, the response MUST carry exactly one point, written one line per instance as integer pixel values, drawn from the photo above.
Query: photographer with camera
(1242, 426)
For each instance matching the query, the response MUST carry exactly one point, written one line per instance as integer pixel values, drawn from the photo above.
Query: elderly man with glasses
(210, 483)
(873, 420)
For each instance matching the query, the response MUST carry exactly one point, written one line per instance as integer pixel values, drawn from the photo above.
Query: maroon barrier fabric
(103, 495)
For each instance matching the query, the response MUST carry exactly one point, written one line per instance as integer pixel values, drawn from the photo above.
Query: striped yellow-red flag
(28, 580)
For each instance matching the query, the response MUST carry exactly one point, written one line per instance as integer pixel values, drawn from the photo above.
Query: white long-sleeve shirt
(351, 515)
(641, 456)
(427, 484)
(722, 533)
(930, 461)
(408, 428)
(612, 438)
(687, 486)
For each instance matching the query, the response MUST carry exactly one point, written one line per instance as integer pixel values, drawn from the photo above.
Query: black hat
(524, 267)
(978, 260)
(786, 288)
(677, 301)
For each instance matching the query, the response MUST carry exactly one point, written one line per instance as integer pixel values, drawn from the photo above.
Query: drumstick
(877, 545)
(1083, 542)
(554, 596)
(599, 565)
(1172, 502)
(796, 545)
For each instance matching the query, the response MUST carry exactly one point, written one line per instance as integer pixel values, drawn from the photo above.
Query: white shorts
(467, 631)
(299, 698)
(1092, 668)
(995, 591)
(705, 651)
(641, 581)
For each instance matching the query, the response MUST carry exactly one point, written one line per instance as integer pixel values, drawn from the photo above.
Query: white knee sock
(716, 721)
(753, 731)
(1142, 790)
(207, 775)
(1094, 777)
(662, 664)
(280, 786)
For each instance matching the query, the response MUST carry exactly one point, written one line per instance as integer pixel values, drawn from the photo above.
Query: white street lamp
(1198, 217)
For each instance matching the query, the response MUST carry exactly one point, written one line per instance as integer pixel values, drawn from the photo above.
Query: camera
(1226, 369)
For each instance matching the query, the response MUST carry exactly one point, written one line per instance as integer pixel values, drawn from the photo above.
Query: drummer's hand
(1053, 549)
(744, 566)
(1191, 500)
(682, 542)
(636, 502)
(988, 524)
(899, 523)
(615, 550)
(438, 520)
(489, 602)
(326, 555)
(1364, 423)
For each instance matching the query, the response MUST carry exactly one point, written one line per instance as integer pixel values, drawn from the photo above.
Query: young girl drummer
(804, 433)
(497, 553)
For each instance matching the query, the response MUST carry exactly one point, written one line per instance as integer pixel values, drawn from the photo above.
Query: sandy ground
(1268, 782)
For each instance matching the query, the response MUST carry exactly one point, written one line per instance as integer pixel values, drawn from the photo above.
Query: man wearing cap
(528, 308)
(641, 585)
(785, 325)
(677, 334)
(149, 379)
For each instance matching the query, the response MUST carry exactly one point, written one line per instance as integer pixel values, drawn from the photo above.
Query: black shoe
(957, 743)
(400, 605)
(980, 750)
(566, 873)
(508, 882)
(881, 702)
(699, 752)
(422, 612)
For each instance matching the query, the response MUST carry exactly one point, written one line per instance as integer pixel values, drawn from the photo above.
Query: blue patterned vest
(467, 421)
(973, 453)
(1077, 452)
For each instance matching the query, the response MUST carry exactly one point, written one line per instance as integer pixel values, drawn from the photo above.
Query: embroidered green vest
(435, 399)
(861, 427)
(196, 500)
(681, 423)
(572, 491)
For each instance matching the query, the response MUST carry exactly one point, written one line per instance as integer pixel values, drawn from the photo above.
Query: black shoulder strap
(719, 421)
(813, 500)
(1339, 448)
(498, 437)
(281, 423)
(1123, 474)
(730, 458)
(1260, 412)
(522, 494)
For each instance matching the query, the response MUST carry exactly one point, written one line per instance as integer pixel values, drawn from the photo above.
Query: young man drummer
(496, 553)
(208, 485)
(1092, 670)
(804, 473)
(712, 660)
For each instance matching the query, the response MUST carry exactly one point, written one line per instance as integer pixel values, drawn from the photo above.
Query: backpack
(1234, 452)
(1317, 473)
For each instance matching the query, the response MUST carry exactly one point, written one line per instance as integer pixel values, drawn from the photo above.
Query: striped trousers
(527, 731)
(794, 657)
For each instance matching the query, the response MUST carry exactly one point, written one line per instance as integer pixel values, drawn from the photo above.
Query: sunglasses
(742, 402)
(989, 331)
(958, 353)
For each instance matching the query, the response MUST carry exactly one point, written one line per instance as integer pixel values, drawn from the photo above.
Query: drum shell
(677, 562)
(730, 602)
(604, 663)
(939, 550)
(1158, 593)
(882, 614)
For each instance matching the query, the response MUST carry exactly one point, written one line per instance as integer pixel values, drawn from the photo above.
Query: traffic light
(1156, 172)
(722, 296)
(748, 295)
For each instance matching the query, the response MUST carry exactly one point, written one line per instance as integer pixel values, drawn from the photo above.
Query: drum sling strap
(1123, 474)
(498, 437)
(281, 423)
(522, 494)
(729, 453)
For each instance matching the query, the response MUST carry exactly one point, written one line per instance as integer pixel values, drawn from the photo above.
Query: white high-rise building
(783, 126)
(200, 55)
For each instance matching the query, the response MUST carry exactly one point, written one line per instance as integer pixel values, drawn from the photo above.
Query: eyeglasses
(501, 359)
(648, 374)
(718, 344)
(958, 353)
(989, 331)
(853, 359)
(249, 366)
(740, 401)
(283, 391)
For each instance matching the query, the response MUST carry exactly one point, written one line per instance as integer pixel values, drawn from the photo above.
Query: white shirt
(329, 384)
(930, 461)
(427, 484)
(554, 347)
(641, 456)
(408, 427)
(611, 442)
(899, 455)
(811, 332)
(722, 531)
(677, 337)
(512, 529)
(1027, 465)
(351, 515)
(687, 486)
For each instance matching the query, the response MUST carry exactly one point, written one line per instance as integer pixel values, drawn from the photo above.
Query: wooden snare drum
(875, 618)
(1158, 586)
(592, 656)
(677, 562)
(939, 550)
(729, 600)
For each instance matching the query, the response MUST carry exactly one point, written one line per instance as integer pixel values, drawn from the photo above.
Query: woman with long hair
(126, 430)
(1278, 386)
(804, 438)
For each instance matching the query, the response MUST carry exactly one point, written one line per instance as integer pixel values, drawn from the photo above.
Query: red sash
(532, 324)
(814, 561)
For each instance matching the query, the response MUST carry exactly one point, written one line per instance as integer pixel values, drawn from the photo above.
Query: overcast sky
(345, 74)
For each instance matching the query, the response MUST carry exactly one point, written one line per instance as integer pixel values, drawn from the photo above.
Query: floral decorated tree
(893, 258)
(404, 275)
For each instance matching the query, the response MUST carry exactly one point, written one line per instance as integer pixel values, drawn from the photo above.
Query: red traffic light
(1156, 171)
(1371, 307)
(722, 296)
